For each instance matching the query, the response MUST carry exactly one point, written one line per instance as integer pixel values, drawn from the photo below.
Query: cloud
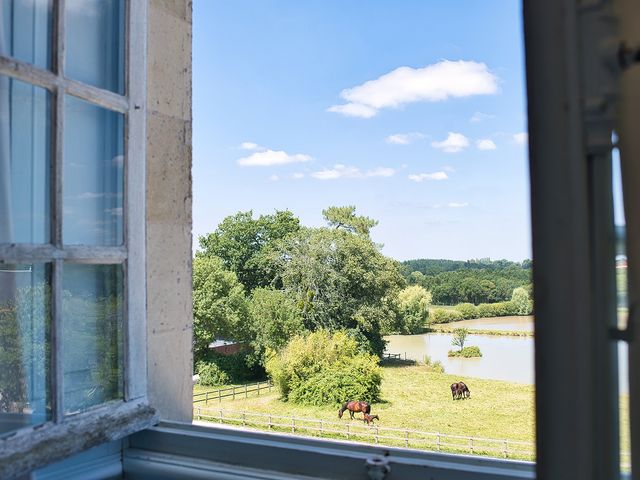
(353, 110)
(455, 142)
(437, 82)
(479, 117)
(297, 175)
(457, 205)
(270, 158)
(344, 171)
(521, 138)
(250, 146)
(403, 138)
(485, 144)
(448, 168)
(421, 177)
(274, 178)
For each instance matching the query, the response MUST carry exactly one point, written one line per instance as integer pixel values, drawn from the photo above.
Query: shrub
(240, 367)
(520, 299)
(433, 366)
(211, 374)
(324, 368)
(466, 352)
(440, 315)
(467, 310)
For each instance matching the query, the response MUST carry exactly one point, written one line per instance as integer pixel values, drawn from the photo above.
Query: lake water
(503, 358)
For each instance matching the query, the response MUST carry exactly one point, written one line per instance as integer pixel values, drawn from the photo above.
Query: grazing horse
(354, 406)
(370, 418)
(460, 390)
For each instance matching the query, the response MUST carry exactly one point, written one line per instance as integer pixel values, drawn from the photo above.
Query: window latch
(378, 468)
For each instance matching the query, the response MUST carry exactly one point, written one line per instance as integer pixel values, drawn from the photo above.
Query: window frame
(33, 446)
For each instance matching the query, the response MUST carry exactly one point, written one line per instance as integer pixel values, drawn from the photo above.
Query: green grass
(416, 398)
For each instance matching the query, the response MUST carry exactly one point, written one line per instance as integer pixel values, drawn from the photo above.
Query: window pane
(95, 43)
(93, 175)
(92, 335)
(24, 163)
(24, 345)
(26, 31)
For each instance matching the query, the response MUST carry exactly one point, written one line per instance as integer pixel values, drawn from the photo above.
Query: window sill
(30, 448)
(173, 450)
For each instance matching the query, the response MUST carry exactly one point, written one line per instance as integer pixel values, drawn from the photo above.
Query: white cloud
(421, 177)
(250, 146)
(269, 158)
(485, 144)
(274, 178)
(403, 138)
(457, 205)
(344, 171)
(297, 175)
(433, 83)
(479, 117)
(448, 168)
(353, 110)
(455, 142)
(521, 138)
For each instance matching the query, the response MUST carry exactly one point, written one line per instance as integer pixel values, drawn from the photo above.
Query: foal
(370, 418)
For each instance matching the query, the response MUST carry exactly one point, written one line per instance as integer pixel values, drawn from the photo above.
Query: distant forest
(472, 281)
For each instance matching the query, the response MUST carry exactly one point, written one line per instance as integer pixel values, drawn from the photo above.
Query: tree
(219, 305)
(413, 306)
(324, 368)
(346, 218)
(275, 319)
(339, 280)
(240, 241)
(459, 337)
(523, 305)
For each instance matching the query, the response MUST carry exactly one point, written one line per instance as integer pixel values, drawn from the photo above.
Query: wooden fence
(371, 433)
(242, 391)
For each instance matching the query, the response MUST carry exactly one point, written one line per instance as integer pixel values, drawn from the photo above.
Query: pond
(503, 357)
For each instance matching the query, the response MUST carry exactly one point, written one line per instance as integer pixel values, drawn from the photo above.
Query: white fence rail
(371, 433)
(242, 391)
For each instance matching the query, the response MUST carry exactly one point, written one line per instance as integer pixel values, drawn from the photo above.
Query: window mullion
(57, 388)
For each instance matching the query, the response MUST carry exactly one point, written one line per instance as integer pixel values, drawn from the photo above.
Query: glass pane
(92, 335)
(24, 345)
(93, 175)
(26, 31)
(24, 163)
(95, 43)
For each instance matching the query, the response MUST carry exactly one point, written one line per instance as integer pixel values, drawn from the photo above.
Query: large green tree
(240, 241)
(219, 305)
(413, 309)
(339, 280)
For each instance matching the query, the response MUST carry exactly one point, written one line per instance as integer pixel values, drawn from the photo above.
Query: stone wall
(169, 304)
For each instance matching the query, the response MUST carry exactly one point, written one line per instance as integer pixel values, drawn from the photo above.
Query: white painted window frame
(34, 446)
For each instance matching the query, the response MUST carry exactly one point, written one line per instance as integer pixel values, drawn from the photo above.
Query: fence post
(258, 388)
(348, 430)
(293, 425)
(504, 451)
(376, 435)
(270, 422)
(438, 441)
(220, 416)
(198, 414)
(406, 438)
(233, 391)
(471, 444)
(219, 395)
(206, 398)
(321, 428)
(244, 419)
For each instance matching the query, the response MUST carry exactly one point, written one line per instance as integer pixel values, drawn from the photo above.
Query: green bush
(466, 352)
(241, 367)
(441, 315)
(467, 310)
(433, 366)
(211, 374)
(324, 368)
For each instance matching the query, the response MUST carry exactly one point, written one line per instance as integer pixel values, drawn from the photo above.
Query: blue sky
(414, 111)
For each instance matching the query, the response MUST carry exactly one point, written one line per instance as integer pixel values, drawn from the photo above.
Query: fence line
(241, 391)
(372, 433)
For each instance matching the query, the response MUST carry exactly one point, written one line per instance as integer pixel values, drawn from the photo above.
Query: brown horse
(460, 390)
(370, 418)
(354, 406)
